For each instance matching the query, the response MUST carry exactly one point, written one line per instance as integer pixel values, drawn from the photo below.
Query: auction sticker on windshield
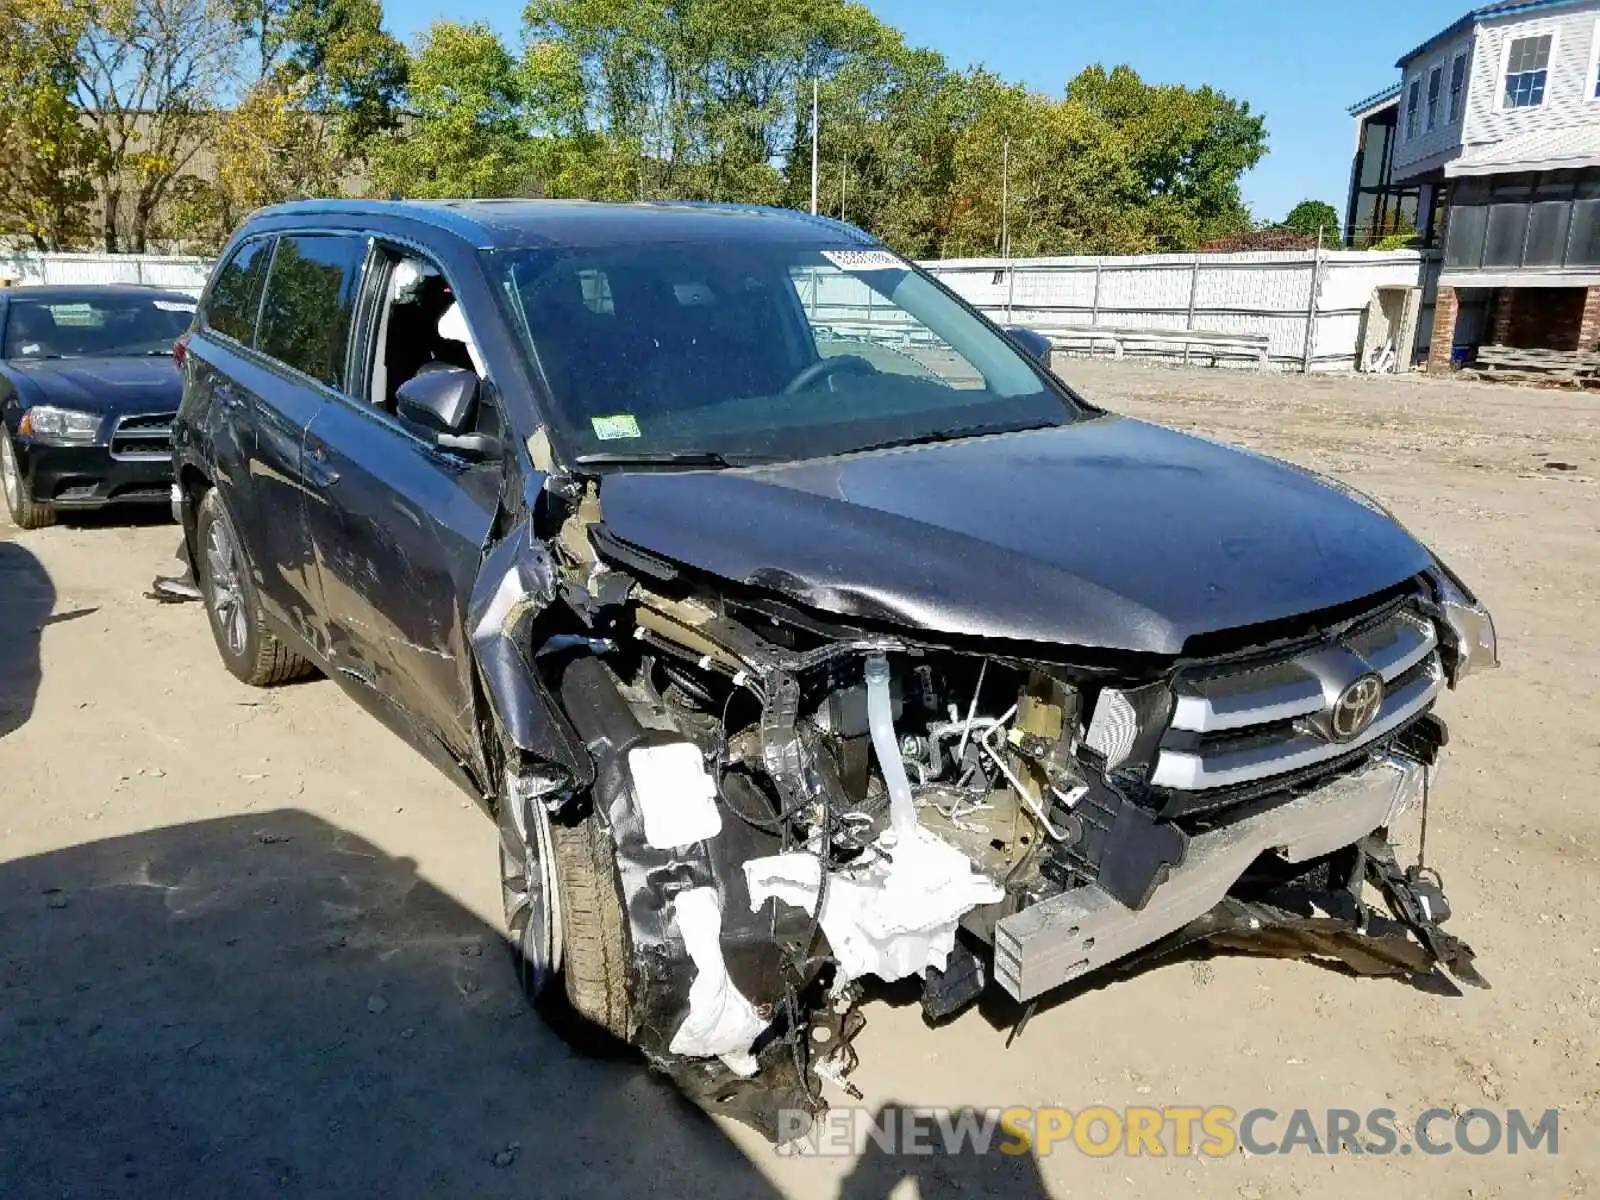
(610, 429)
(864, 260)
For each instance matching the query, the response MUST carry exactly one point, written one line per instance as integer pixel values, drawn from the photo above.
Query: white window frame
(1413, 112)
(1592, 80)
(1457, 103)
(1434, 101)
(1517, 35)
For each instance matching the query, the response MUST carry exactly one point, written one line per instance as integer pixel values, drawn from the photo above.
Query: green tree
(466, 127)
(48, 153)
(1311, 217)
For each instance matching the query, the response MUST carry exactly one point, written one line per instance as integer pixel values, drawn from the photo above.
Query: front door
(399, 528)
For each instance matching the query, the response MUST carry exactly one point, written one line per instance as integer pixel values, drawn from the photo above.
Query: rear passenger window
(231, 307)
(305, 318)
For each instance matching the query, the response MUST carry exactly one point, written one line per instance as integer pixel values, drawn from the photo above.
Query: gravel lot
(249, 944)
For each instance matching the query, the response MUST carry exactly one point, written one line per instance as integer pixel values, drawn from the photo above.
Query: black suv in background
(798, 626)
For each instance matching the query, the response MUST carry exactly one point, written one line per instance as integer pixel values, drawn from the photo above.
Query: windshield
(760, 352)
(99, 326)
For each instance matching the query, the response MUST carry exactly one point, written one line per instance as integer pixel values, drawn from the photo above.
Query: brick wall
(1546, 318)
(1444, 330)
(1589, 323)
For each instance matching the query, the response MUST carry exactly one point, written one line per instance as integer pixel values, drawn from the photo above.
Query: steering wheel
(852, 364)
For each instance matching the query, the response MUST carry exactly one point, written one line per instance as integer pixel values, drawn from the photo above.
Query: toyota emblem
(1356, 708)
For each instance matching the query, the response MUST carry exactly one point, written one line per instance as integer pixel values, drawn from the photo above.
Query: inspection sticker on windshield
(610, 429)
(863, 260)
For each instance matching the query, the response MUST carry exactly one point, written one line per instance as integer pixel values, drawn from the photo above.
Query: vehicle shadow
(27, 597)
(268, 1005)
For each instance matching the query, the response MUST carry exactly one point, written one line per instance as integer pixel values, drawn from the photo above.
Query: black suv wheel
(249, 649)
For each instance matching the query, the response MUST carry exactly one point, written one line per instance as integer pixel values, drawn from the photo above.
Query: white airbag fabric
(893, 918)
(721, 1022)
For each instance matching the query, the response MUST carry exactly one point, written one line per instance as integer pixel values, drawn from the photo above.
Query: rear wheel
(249, 649)
(24, 510)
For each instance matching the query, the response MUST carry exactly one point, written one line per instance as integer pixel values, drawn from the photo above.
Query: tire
(249, 649)
(595, 966)
(25, 511)
(564, 922)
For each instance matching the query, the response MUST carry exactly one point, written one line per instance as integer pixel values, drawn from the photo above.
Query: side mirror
(438, 401)
(1035, 345)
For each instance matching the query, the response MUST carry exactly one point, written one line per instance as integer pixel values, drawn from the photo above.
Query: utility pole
(816, 143)
(844, 179)
(1005, 199)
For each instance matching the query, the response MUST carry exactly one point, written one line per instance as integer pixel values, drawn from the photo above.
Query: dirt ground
(249, 943)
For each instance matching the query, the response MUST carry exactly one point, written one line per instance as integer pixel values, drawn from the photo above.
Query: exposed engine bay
(788, 806)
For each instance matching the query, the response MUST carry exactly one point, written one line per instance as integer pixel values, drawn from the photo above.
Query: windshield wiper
(669, 458)
(948, 435)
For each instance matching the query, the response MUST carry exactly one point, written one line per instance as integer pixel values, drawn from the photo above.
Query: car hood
(113, 386)
(1108, 533)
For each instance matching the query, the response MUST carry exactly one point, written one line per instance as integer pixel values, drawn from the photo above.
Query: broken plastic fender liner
(893, 918)
(720, 1022)
(675, 793)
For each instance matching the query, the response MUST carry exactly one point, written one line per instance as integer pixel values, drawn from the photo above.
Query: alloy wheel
(529, 890)
(224, 572)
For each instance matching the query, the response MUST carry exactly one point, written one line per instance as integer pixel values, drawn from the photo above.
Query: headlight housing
(1476, 647)
(47, 423)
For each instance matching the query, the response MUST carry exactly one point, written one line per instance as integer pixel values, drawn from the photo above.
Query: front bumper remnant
(1072, 934)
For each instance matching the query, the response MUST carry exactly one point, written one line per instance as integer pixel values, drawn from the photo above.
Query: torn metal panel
(515, 585)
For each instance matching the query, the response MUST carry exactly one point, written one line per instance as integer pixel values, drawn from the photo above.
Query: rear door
(303, 346)
(399, 528)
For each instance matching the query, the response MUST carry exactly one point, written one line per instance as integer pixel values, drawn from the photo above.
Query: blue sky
(1300, 64)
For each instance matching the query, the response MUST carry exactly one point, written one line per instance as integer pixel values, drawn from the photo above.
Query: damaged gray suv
(799, 628)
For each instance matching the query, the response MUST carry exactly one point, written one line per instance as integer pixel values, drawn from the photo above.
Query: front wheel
(565, 920)
(24, 510)
(249, 649)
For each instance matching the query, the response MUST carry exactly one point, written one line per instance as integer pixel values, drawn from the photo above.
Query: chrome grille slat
(142, 437)
(1243, 725)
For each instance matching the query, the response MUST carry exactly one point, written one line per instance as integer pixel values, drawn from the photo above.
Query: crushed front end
(796, 805)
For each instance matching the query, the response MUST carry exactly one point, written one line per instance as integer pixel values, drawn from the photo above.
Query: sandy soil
(249, 944)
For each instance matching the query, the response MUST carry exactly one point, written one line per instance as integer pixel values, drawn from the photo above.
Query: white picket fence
(1282, 295)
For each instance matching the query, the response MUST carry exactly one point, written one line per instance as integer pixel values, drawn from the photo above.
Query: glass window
(95, 325)
(1547, 234)
(1458, 86)
(1413, 109)
(760, 351)
(1527, 71)
(231, 306)
(1464, 237)
(1583, 243)
(1508, 228)
(305, 317)
(1435, 92)
(1374, 153)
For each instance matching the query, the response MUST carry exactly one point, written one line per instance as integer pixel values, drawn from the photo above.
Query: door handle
(318, 468)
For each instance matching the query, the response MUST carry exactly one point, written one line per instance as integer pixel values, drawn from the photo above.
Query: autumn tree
(48, 153)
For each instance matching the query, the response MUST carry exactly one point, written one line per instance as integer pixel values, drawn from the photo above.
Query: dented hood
(1108, 533)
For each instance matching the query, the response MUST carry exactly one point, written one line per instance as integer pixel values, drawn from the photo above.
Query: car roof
(90, 291)
(523, 224)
